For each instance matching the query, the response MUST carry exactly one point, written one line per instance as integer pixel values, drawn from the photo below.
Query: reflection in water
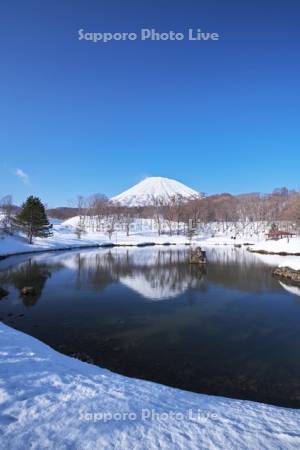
(27, 274)
(3, 293)
(145, 312)
(166, 276)
(155, 275)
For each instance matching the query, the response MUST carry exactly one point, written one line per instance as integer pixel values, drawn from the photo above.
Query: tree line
(177, 215)
(97, 213)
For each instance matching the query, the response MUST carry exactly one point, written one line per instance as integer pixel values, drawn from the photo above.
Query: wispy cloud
(22, 175)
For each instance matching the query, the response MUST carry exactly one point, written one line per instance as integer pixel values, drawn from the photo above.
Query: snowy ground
(292, 263)
(10, 245)
(52, 401)
(142, 231)
(285, 245)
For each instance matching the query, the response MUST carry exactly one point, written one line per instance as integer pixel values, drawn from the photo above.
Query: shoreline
(267, 252)
(74, 407)
(86, 246)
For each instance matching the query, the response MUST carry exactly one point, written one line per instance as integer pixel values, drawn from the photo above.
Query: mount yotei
(151, 189)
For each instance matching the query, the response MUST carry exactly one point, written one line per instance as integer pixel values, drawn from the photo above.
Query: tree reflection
(155, 275)
(30, 274)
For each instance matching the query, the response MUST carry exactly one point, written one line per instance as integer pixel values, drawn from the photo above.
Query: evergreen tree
(32, 220)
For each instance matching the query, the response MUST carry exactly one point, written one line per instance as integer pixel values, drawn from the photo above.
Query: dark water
(233, 331)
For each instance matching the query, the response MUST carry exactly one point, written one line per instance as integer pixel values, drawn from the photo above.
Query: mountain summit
(152, 188)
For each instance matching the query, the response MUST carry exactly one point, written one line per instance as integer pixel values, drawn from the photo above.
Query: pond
(231, 330)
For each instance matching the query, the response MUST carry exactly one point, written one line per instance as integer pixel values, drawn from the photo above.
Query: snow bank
(51, 401)
(291, 263)
(295, 290)
(142, 231)
(10, 245)
(286, 245)
(65, 237)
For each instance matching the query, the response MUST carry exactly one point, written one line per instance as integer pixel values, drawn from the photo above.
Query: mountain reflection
(153, 273)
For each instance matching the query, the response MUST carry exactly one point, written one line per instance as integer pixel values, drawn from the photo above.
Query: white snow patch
(292, 263)
(284, 245)
(52, 401)
(295, 290)
(144, 231)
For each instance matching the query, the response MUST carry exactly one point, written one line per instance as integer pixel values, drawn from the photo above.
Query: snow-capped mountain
(147, 191)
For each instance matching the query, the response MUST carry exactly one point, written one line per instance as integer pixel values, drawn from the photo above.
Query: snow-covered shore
(142, 233)
(52, 401)
(293, 264)
(65, 238)
(12, 245)
(284, 246)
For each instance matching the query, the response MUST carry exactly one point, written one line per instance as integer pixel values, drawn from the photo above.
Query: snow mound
(152, 188)
(51, 401)
(288, 246)
(292, 263)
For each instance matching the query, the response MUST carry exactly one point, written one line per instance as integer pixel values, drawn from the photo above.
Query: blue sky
(80, 118)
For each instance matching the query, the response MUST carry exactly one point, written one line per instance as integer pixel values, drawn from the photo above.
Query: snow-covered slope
(145, 192)
(51, 401)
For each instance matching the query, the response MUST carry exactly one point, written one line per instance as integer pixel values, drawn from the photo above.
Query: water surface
(145, 312)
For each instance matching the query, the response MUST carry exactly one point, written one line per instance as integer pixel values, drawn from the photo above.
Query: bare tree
(157, 205)
(95, 207)
(178, 205)
(80, 230)
(169, 213)
(99, 204)
(6, 205)
(81, 212)
(112, 217)
(295, 215)
(127, 218)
